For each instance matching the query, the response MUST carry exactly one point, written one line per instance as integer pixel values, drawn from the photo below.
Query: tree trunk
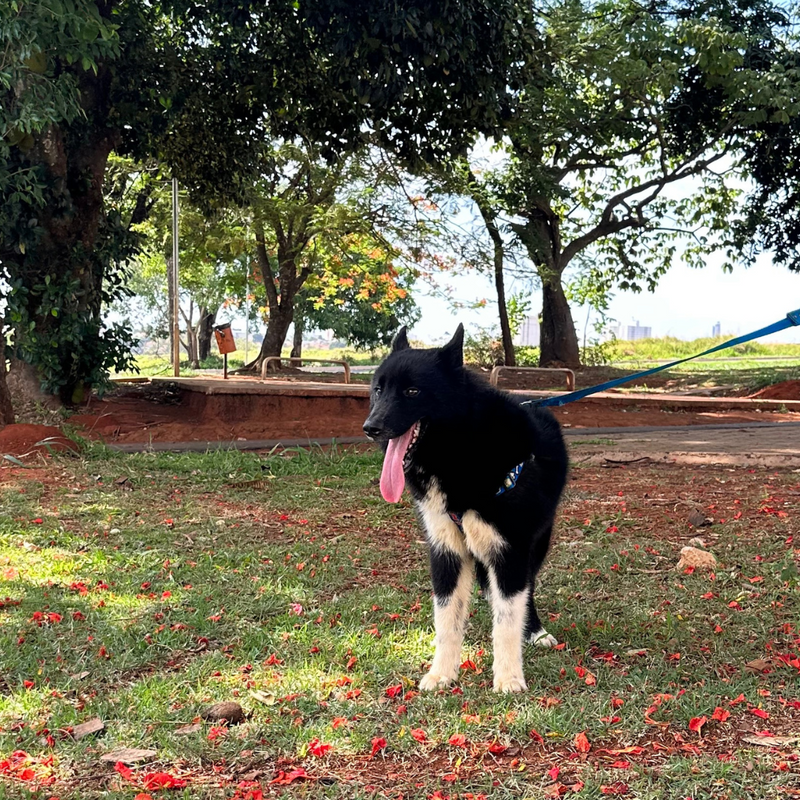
(297, 339)
(559, 342)
(277, 329)
(65, 270)
(205, 333)
(510, 358)
(6, 408)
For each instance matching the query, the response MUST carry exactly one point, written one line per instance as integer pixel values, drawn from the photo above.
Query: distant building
(716, 331)
(528, 335)
(630, 333)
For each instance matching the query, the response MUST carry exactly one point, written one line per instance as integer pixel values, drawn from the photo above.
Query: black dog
(486, 474)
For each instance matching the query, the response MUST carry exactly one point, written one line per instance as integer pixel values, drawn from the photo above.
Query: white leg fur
(450, 618)
(509, 614)
(542, 638)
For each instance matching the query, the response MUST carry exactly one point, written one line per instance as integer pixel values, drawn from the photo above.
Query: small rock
(129, 755)
(115, 531)
(697, 542)
(700, 559)
(87, 728)
(227, 711)
(698, 519)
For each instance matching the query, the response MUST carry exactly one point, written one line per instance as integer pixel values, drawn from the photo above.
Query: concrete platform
(254, 386)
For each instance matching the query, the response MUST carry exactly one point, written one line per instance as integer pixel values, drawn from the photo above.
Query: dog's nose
(373, 431)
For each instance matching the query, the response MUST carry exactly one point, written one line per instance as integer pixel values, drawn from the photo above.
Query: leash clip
(794, 317)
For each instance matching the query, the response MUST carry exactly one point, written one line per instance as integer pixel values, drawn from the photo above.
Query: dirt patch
(150, 414)
(22, 440)
(786, 390)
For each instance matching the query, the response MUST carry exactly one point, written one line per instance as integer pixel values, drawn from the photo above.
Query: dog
(486, 474)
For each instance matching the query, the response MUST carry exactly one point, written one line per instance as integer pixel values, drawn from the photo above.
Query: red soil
(786, 390)
(20, 440)
(141, 415)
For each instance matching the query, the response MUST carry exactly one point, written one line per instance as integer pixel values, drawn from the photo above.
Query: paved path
(766, 445)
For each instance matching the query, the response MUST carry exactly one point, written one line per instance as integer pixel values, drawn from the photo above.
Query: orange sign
(224, 337)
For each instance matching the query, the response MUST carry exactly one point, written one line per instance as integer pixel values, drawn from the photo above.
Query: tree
(361, 296)
(315, 220)
(594, 148)
(85, 78)
(212, 247)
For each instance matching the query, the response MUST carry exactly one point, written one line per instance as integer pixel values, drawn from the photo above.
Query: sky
(685, 305)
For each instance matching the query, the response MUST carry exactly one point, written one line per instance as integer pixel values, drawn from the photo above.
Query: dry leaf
(185, 730)
(758, 665)
(770, 741)
(128, 755)
(87, 728)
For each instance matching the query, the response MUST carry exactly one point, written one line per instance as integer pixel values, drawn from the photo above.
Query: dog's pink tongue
(393, 478)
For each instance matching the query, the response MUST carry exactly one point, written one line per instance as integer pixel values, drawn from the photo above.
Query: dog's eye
(377, 391)
(412, 391)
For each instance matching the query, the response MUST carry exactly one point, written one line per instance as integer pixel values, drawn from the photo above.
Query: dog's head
(411, 389)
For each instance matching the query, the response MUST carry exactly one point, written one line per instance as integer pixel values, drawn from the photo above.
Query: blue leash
(792, 318)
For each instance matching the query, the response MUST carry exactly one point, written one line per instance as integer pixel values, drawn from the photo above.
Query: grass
(308, 602)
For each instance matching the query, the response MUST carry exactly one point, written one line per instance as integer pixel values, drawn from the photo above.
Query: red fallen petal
(125, 772)
(285, 778)
(720, 714)
(378, 744)
(162, 780)
(457, 740)
(497, 749)
(418, 734)
(621, 764)
(696, 723)
(394, 691)
(617, 788)
(582, 743)
(553, 772)
(537, 737)
(739, 699)
(760, 713)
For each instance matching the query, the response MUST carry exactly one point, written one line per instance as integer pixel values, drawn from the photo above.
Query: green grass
(152, 365)
(308, 599)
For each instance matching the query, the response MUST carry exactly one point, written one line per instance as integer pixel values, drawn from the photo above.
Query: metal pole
(176, 338)
(246, 306)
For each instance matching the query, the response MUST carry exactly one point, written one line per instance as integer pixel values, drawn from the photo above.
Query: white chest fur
(476, 536)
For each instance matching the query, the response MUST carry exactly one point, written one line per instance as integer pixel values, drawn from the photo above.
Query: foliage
(82, 78)
(599, 141)
(483, 347)
(360, 296)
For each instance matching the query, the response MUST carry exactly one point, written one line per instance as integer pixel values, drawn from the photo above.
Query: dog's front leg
(509, 612)
(453, 576)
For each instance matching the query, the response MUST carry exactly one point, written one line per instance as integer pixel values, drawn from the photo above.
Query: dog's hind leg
(453, 576)
(535, 632)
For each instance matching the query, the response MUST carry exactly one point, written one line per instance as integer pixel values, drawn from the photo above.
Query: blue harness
(509, 482)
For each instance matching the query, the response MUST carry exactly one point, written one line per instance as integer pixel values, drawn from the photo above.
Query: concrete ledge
(212, 386)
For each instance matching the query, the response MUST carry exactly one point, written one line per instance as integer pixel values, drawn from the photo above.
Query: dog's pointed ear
(453, 352)
(400, 341)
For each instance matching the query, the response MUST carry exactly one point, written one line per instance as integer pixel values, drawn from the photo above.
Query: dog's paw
(542, 638)
(432, 681)
(510, 684)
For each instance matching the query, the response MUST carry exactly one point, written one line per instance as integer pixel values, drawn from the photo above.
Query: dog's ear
(453, 352)
(400, 341)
